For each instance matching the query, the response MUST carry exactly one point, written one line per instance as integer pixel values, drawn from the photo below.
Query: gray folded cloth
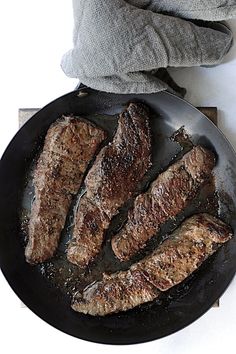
(207, 10)
(120, 46)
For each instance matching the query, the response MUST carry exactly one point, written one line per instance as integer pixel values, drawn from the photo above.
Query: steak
(69, 146)
(184, 251)
(117, 292)
(113, 179)
(167, 196)
(90, 223)
(172, 262)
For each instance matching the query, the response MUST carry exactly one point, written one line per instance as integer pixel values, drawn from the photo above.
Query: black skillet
(184, 303)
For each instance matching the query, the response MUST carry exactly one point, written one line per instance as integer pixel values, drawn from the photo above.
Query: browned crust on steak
(172, 262)
(184, 251)
(112, 180)
(121, 165)
(167, 196)
(69, 146)
(90, 223)
(116, 292)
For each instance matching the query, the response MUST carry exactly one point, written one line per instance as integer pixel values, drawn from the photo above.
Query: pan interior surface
(40, 288)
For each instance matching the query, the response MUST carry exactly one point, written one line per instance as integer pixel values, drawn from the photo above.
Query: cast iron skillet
(186, 302)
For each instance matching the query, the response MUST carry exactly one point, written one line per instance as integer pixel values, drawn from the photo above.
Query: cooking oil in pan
(167, 147)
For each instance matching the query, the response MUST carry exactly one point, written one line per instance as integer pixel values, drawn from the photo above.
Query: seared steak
(173, 261)
(120, 166)
(184, 251)
(69, 146)
(112, 180)
(167, 196)
(90, 223)
(117, 292)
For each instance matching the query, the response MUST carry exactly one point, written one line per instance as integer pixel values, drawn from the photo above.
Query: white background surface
(34, 35)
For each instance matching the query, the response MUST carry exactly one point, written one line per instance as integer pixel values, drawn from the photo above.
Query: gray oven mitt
(122, 46)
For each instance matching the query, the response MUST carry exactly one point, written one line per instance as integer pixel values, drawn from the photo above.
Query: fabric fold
(120, 45)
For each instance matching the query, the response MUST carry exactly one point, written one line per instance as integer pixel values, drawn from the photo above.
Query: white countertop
(36, 34)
